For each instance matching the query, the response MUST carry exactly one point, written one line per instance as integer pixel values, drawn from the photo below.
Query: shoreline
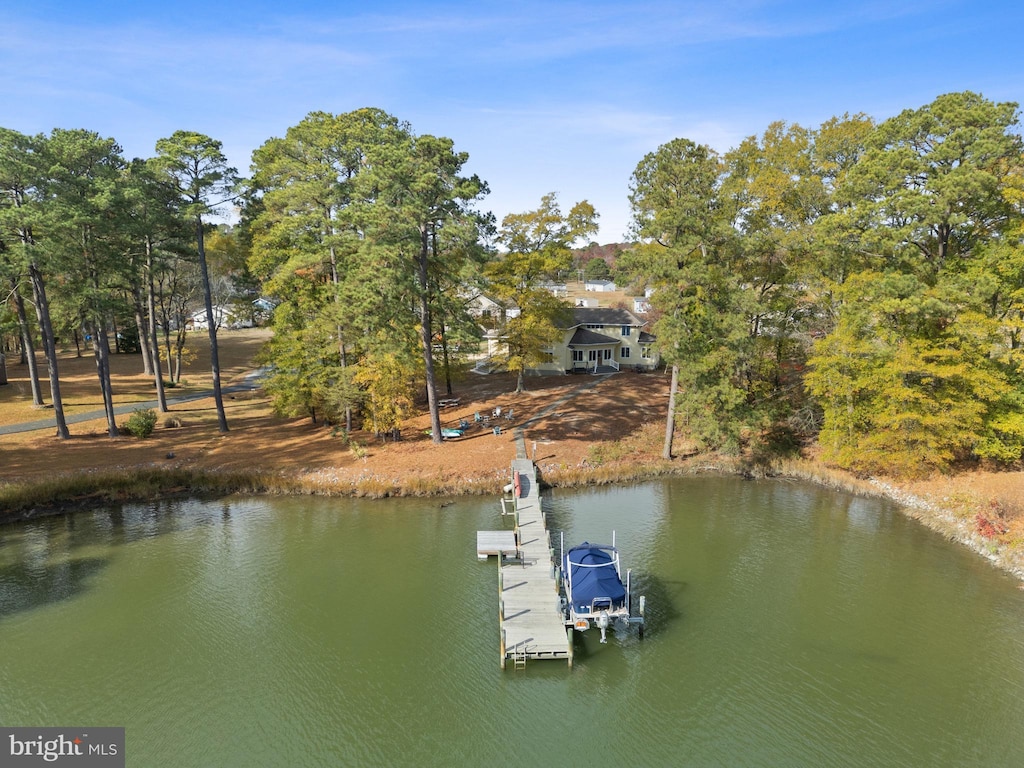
(584, 432)
(63, 495)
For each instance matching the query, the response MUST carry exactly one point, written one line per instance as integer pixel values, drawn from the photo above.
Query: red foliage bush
(988, 528)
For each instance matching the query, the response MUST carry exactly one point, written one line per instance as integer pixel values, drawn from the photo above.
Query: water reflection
(785, 626)
(665, 600)
(29, 585)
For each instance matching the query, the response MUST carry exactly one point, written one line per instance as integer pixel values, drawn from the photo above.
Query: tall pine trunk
(139, 305)
(426, 337)
(28, 348)
(101, 351)
(211, 325)
(670, 420)
(49, 348)
(150, 337)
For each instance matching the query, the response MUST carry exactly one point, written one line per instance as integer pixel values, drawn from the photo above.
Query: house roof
(604, 316)
(587, 338)
(646, 338)
(218, 309)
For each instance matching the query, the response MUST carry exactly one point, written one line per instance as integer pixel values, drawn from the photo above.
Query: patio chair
(477, 417)
(497, 429)
(508, 414)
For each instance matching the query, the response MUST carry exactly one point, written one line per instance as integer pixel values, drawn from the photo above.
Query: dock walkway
(531, 621)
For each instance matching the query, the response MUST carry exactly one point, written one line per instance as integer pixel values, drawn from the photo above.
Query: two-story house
(601, 339)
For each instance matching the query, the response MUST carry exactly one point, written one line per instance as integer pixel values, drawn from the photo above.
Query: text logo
(72, 747)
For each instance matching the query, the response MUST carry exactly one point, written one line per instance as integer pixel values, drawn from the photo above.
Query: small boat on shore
(594, 593)
(447, 433)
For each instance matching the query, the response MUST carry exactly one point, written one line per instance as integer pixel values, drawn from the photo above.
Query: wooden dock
(531, 623)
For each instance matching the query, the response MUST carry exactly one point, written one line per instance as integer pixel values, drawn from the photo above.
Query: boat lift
(593, 593)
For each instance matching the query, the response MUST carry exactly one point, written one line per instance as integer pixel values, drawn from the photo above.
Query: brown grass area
(576, 434)
(259, 442)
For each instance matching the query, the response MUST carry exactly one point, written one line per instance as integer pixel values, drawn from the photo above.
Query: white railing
(609, 362)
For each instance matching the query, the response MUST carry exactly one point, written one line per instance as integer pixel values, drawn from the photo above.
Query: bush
(141, 423)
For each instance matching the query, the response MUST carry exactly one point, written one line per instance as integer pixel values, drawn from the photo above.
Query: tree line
(371, 237)
(859, 283)
(95, 246)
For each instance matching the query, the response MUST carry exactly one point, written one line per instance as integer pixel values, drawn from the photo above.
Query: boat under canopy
(592, 571)
(594, 592)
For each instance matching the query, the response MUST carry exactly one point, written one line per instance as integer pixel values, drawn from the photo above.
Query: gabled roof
(604, 316)
(646, 338)
(587, 338)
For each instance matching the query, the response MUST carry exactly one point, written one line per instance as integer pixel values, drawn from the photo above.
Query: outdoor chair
(497, 430)
(477, 417)
(508, 414)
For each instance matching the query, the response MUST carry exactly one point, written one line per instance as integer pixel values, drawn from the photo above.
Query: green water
(787, 626)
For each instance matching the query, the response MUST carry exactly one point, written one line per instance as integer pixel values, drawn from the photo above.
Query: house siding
(608, 323)
(600, 331)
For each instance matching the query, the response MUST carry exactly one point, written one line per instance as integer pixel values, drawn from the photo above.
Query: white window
(624, 353)
(607, 354)
(645, 352)
(626, 330)
(592, 355)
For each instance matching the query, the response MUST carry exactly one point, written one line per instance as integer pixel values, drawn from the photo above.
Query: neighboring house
(602, 339)
(264, 305)
(480, 305)
(602, 286)
(560, 290)
(477, 305)
(224, 317)
(641, 305)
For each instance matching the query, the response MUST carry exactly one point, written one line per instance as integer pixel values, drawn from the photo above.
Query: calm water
(787, 626)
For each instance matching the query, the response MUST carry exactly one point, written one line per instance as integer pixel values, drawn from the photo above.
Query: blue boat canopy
(593, 575)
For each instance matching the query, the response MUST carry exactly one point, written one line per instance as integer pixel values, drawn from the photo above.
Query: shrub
(602, 453)
(141, 423)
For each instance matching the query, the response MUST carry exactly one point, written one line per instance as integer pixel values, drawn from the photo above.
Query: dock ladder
(519, 655)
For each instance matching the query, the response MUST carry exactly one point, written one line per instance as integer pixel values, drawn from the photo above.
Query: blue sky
(551, 96)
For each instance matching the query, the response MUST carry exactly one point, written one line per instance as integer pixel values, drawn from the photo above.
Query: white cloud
(564, 96)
